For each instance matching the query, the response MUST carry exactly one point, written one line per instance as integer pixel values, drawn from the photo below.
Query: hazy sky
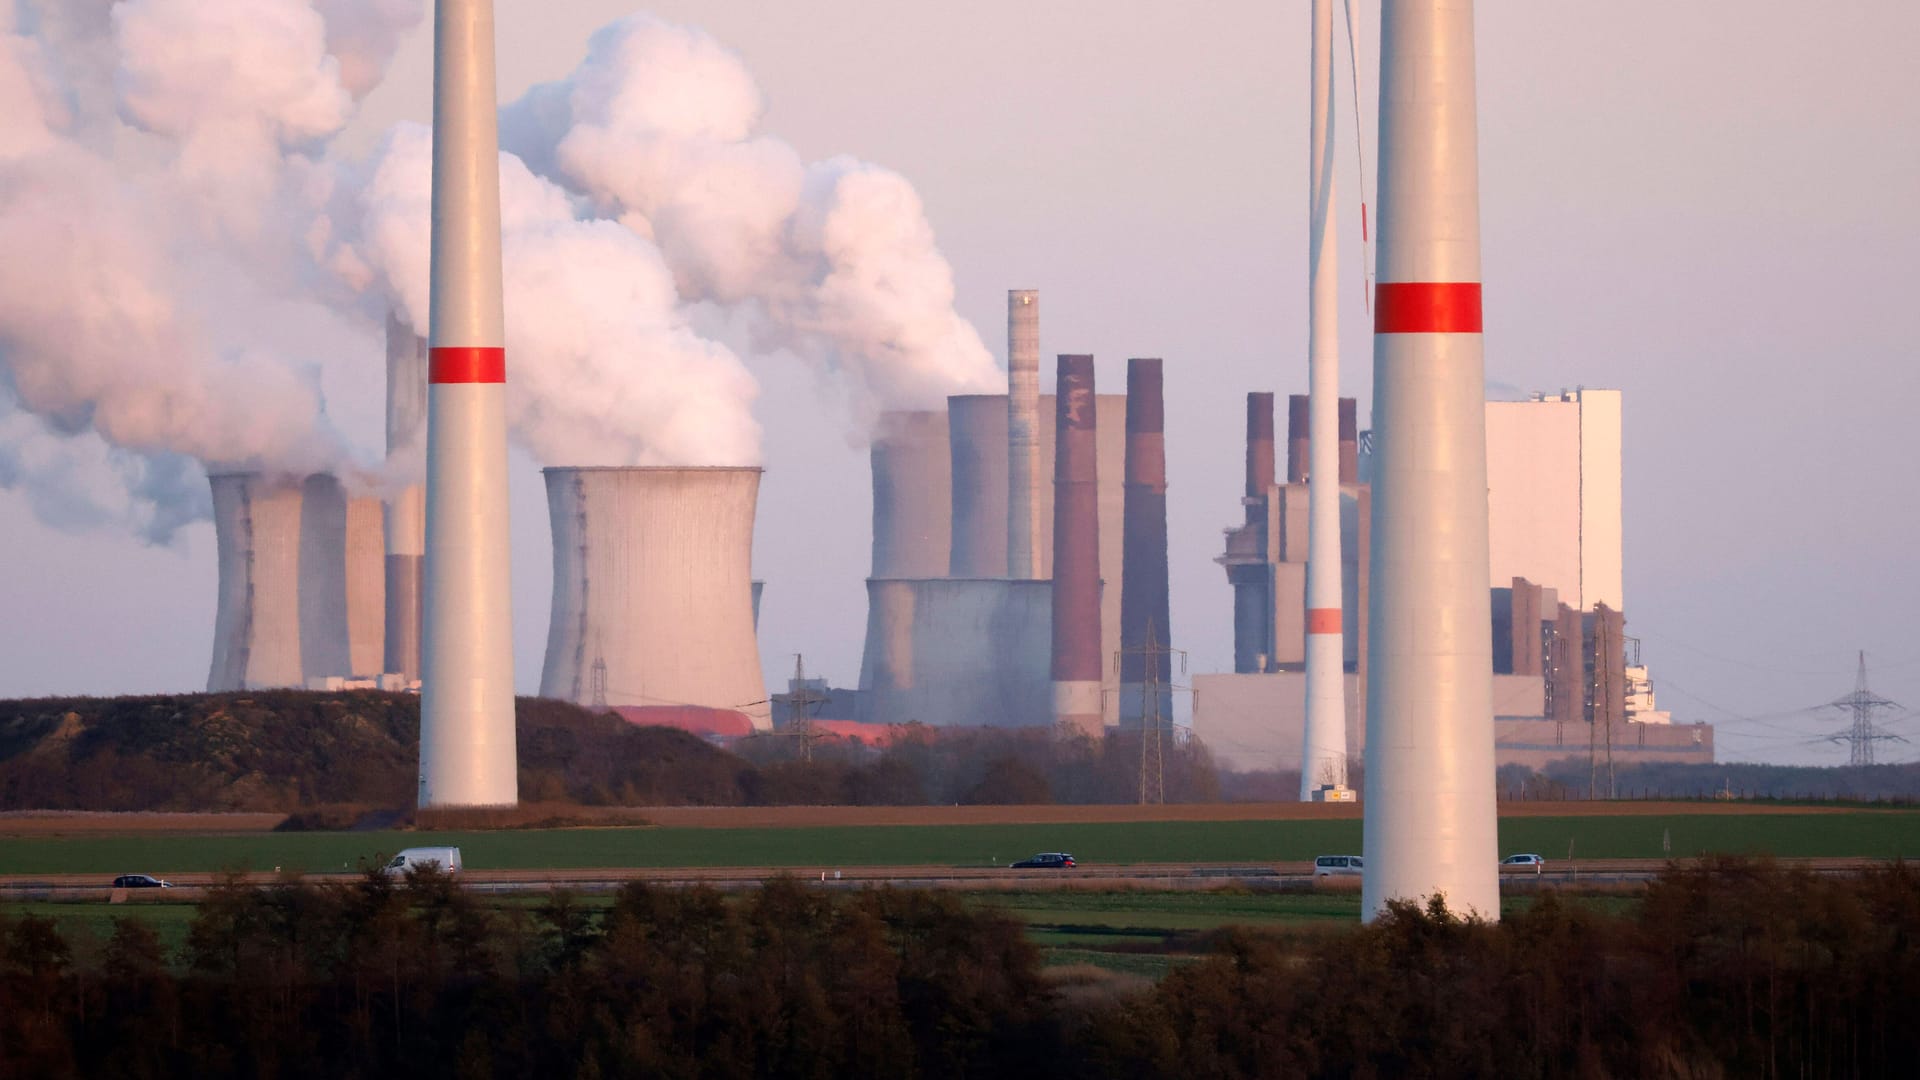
(1713, 206)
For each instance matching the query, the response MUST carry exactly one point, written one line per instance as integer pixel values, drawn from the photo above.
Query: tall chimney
(467, 751)
(1259, 454)
(406, 528)
(1299, 427)
(1076, 551)
(1143, 559)
(1248, 562)
(1430, 816)
(1023, 434)
(1349, 442)
(1323, 759)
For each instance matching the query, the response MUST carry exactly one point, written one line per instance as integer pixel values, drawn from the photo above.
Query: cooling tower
(1076, 665)
(282, 608)
(1430, 816)
(1026, 518)
(977, 429)
(468, 756)
(366, 585)
(1144, 621)
(957, 651)
(406, 529)
(652, 589)
(912, 495)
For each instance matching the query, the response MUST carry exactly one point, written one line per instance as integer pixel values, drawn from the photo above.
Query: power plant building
(1562, 666)
(941, 499)
(960, 605)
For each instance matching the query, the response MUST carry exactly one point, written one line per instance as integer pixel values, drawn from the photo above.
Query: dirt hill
(287, 750)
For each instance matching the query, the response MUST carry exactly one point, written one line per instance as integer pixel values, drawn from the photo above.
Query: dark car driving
(140, 881)
(1046, 860)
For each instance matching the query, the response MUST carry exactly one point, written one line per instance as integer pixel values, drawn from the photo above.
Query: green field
(1867, 834)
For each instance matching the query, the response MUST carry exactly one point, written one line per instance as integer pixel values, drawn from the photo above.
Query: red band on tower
(463, 364)
(1323, 620)
(1426, 307)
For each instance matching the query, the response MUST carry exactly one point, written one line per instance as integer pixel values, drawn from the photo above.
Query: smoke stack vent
(1259, 451)
(1143, 597)
(1298, 425)
(1076, 550)
(1349, 441)
(1024, 519)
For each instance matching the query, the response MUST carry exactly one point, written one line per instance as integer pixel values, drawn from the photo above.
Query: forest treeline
(1730, 968)
(292, 751)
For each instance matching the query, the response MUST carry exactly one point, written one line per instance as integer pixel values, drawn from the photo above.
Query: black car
(140, 881)
(1046, 860)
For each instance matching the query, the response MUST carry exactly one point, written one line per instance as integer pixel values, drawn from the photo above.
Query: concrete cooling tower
(977, 430)
(912, 495)
(652, 589)
(933, 471)
(407, 508)
(299, 575)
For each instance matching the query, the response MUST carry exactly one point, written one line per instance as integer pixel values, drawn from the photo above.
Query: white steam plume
(656, 126)
(602, 367)
(192, 274)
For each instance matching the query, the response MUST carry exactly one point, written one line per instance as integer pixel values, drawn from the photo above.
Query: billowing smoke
(835, 259)
(151, 296)
(194, 273)
(602, 367)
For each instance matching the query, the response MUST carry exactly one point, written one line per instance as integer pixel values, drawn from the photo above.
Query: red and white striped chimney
(1430, 816)
(467, 752)
(1076, 551)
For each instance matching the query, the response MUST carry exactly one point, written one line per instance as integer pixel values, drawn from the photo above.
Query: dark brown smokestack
(1076, 550)
(1349, 441)
(1143, 559)
(1297, 424)
(1259, 450)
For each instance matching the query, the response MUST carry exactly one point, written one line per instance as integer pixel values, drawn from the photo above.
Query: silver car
(1337, 865)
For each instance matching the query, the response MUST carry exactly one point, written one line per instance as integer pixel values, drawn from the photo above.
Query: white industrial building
(1554, 494)
(1554, 519)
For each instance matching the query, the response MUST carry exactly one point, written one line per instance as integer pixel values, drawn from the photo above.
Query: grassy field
(1871, 834)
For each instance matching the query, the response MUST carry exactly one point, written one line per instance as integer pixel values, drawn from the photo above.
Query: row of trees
(1731, 969)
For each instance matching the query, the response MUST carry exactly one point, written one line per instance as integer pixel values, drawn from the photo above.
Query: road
(1169, 877)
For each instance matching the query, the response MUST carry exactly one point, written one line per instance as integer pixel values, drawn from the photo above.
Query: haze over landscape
(1714, 208)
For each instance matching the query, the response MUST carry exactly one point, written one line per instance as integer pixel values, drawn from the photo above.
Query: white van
(419, 858)
(1330, 865)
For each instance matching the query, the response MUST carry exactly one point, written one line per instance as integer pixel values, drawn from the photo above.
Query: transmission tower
(599, 682)
(1864, 704)
(800, 703)
(1153, 725)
